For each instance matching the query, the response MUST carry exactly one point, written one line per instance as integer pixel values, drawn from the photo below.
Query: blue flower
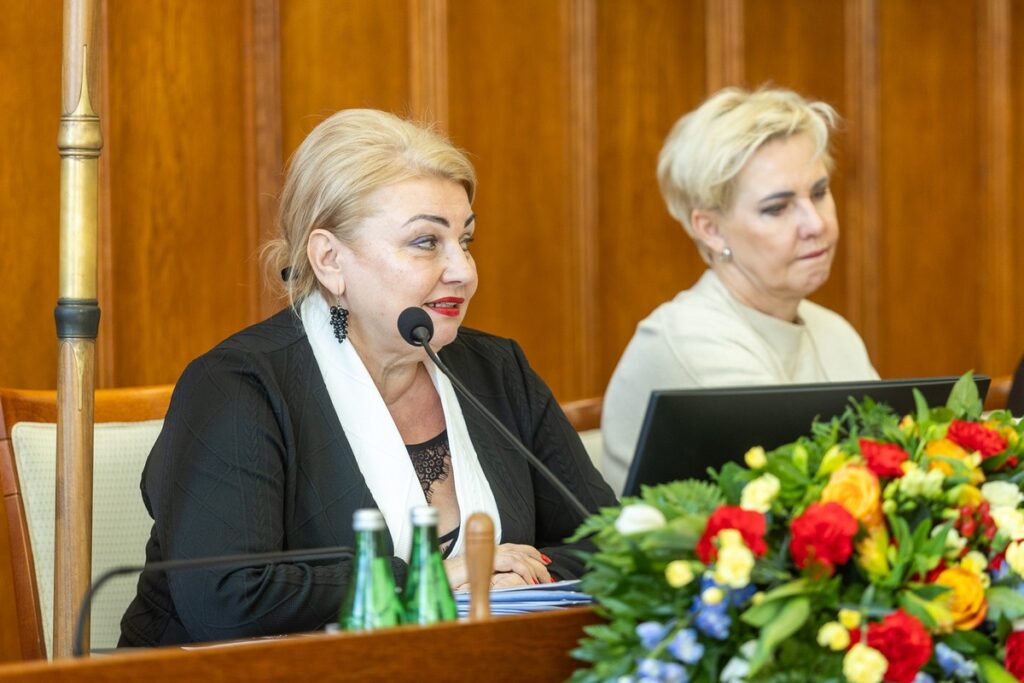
(674, 673)
(648, 668)
(922, 677)
(953, 663)
(685, 647)
(657, 671)
(651, 633)
(713, 621)
(733, 596)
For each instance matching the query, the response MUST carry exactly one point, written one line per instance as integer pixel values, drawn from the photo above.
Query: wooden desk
(531, 647)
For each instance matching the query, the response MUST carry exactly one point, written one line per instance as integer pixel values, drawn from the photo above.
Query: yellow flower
(755, 458)
(966, 600)
(949, 457)
(734, 564)
(834, 636)
(850, 618)
(863, 664)
(679, 573)
(758, 494)
(1015, 557)
(964, 494)
(974, 562)
(908, 425)
(872, 556)
(712, 596)
(856, 488)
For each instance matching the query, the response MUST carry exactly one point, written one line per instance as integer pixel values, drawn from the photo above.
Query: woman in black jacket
(278, 434)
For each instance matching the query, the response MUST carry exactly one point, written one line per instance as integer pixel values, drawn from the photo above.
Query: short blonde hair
(340, 163)
(707, 148)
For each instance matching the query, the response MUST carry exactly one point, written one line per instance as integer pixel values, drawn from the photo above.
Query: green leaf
(921, 406)
(969, 643)
(993, 672)
(791, 618)
(759, 615)
(964, 401)
(1004, 601)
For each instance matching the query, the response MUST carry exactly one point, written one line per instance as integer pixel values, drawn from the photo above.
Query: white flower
(1010, 522)
(1002, 494)
(736, 669)
(758, 494)
(638, 518)
(863, 664)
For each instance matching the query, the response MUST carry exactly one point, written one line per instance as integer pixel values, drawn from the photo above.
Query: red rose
(884, 459)
(975, 437)
(751, 525)
(823, 536)
(903, 640)
(1014, 661)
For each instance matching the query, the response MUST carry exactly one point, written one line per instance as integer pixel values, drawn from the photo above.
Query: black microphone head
(415, 326)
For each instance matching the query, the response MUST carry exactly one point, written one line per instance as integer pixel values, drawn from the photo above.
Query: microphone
(416, 327)
(240, 560)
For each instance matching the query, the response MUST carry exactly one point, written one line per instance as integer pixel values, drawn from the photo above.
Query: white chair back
(120, 526)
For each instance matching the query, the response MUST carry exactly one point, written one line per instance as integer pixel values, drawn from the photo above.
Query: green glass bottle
(427, 597)
(371, 601)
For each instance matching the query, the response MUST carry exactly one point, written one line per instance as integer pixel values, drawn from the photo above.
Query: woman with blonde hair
(276, 436)
(747, 174)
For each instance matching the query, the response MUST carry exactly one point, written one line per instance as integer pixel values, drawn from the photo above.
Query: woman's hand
(514, 565)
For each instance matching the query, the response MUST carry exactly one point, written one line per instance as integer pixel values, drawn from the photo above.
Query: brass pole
(77, 316)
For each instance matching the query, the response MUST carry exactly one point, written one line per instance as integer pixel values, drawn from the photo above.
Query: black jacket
(252, 458)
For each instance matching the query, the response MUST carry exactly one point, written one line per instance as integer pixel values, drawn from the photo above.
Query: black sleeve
(221, 480)
(558, 446)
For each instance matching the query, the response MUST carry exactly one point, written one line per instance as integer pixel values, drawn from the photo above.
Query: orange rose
(944, 453)
(966, 600)
(856, 488)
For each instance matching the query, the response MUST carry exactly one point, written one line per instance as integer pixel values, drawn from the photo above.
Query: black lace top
(432, 461)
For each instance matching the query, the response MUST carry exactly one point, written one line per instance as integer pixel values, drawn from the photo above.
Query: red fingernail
(545, 559)
(535, 582)
(552, 580)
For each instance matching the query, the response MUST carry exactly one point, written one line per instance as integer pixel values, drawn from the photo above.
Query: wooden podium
(532, 647)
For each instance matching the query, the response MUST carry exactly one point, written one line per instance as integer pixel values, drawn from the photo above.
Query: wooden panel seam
(862, 247)
(724, 22)
(105, 348)
(264, 151)
(582, 133)
(428, 60)
(995, 303)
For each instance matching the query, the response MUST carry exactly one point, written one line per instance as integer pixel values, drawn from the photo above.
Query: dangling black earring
(339, 322)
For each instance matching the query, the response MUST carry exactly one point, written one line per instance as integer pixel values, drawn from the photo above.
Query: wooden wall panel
(800, 44)
(30, 61)
(929, 189)
(341, 55)
(180, 184)
(507, 84)
(650, 71)
(1015, 187)
(563, 106)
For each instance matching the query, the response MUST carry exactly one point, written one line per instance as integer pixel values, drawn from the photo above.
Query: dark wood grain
(515, 648)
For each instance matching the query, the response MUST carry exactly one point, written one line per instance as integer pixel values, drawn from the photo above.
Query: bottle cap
(424, 515)
(368, 519)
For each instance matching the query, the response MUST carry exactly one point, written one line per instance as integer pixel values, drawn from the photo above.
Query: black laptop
(686, 431)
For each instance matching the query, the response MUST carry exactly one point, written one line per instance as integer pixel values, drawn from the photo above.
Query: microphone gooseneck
(416, 328)
(240, 560)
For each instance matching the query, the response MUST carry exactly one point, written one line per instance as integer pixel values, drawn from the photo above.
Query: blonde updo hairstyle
(707, 148)
(334, 171)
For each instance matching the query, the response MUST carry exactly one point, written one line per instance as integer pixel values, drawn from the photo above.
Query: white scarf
(378, 447)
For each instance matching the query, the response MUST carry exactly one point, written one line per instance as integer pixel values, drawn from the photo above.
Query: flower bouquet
(877, 548)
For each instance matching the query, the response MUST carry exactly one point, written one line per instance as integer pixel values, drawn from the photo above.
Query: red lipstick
(447, 305)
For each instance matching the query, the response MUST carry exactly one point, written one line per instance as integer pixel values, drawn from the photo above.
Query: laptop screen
(686, 431)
